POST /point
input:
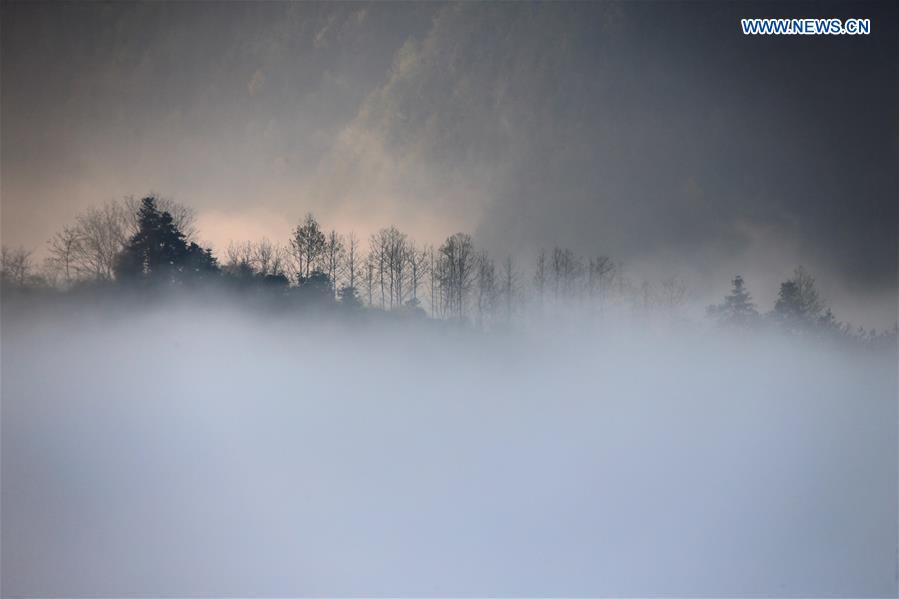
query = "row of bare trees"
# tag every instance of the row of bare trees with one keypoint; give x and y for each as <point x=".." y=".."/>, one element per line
<point x="17" y="267"/>
<point x="391" y="271"/>
<point x="564" y="276"/>
<point x="454" y="280"/>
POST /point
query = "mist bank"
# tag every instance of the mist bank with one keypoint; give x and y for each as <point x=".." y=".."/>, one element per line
<point x="198" y="448"/>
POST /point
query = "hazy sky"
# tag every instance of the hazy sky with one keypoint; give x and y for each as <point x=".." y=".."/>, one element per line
<point x="653" y="132"/>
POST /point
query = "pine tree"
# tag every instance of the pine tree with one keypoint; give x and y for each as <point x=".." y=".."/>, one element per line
<point x="798" y="305"/>
<point x="158" y="251"/>
<point x="349" y="298"/>
<point x="738" y="308"/>
<point x="316" y="288"/>
<point x="199" y="262"/>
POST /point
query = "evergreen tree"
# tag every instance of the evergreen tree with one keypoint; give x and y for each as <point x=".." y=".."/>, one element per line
<point x="349" y="298"/>
<point x="737" y="308"/>
<point x="199" y="263"/>
<point x="788" y="306"/>
<point x="316" y="288"/>
<point x="798" y="304"/>
<point x="158" y="251"/>
<point x="278" y="281"/>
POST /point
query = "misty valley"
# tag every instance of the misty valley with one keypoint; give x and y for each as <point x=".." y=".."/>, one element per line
<point x="271" y="426"/>
<point x="449" y="299"/>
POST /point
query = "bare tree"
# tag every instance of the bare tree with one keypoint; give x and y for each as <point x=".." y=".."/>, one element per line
<point x="307" y="246"/>
<point x="50" y="274"/>
<point x="352" y="260"/>
<point x="239" y="259"/>
<point x="485" y="289"/>
<point x="64" y="251"/>
<point x="643" y="298"/>
<point x="434" y="270"/>
<point x="103" y="232"/>
<point x="600" y="272"/>
<point x="377" y="254"/>
<point x="418" y="269"/>
<point x="457" y="272"/>
<point x="567" y="270"/>
<point x="333" y="258"/>
<point x="508" y="287"/>
<point x="390" y="248"/>
<point x="268" y="259"/>
<point x="540" y="277"/>
<point x="672" y="294"/>
<point x="370" y="280"/>
<point x="262" y="258"/>
<point x="15" y="265"/>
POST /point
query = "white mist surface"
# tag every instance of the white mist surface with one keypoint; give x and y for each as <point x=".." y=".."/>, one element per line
<point x="194" y="452"/>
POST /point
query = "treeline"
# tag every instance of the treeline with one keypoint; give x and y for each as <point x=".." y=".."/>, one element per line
<point x="152" y="243"/>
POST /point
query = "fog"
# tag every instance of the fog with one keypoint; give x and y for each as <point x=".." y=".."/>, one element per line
<point x="575" y="322"/>
<point x="197" y="449"/>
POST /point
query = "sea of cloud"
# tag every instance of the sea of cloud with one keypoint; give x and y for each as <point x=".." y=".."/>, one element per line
<point x="180" y="449"/>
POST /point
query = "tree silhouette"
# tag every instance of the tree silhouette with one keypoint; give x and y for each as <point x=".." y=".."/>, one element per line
<point x="349" y="298"/>
<point x="307" y="246"/>
<point x="456" y="273"/>
<point x="15" y="266"/>
<point x="158" y="251"/>
<point x="316" y="288"/>
<point x="798" y="304"/>
<point x="737" y="308"/>
<point x="334" y="271"/>
<point x="199" y="262"/>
